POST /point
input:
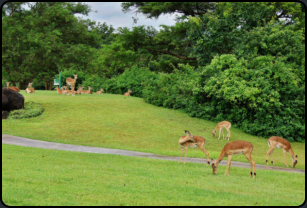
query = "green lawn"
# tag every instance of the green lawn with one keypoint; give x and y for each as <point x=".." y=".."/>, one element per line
<point x="111" y="121"/>
<point x="42" y="177"/>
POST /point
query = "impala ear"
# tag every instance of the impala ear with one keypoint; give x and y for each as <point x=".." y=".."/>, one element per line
<point x="187" y="132"/>
<point x="295" y="156"/>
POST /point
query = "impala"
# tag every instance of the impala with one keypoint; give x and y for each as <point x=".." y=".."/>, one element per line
<point x="127" y="93"/>
<point x="220" y="126"/>
<point x="235" y="148"/>
<point x="99" y="92"/>
<point x="192" y="141"/>
<point x="58" y="90"/>
<point x="79" y="90"/>
<point x="72" y="91"/>
<point x="283" y="144"/>
<point x="12" y="88"/>
<point x="87" y="91"/>
<point x="71" y="81"/>
<point x="30" y="89"/>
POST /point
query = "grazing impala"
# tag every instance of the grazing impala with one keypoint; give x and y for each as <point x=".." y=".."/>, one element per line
<point x="192" y="141"/>
<point x="99" y="92"/>
<point x="127" y="93"/>
<point x="235" y="148"/>
<point x="283" y="144"/>
<point x="220" y="126"/>
<point x="71" y="81"/>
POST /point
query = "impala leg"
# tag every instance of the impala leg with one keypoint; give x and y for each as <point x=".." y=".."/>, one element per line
<point x="223" y="132"/>
<point x="220" y="134"/>
<point x="203" y="149"/>
<point x="285" y="158"/>
<point x="271" y="156"/>
<point x="253" y="165"/>
<point x="185" y="155"/>
<point x="228" y="164"/>
<point x="270" y="151"/>
<point x="228" y="134"/>
<point x="180" y="154"/>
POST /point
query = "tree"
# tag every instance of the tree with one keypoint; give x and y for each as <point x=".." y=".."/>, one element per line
<point x="41" y="41"/>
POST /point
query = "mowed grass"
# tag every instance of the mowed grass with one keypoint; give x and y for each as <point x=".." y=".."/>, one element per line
<point x="42" y="177"/>
<point x="113" y="121"/>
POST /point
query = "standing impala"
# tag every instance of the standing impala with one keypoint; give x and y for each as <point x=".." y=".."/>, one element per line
<point x="235" y="148"/>
<point x="192" y="141"/>
<point x="71" y="81"/>
<point x="220" y="126"/>
<point x="283" y="144"/>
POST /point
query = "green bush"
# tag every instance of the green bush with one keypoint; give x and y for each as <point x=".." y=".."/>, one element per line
<point x="134" y="79"/>
<point x="94" y="81"/>
<point x="263" y="96"/>
<point x="31" y="109"/>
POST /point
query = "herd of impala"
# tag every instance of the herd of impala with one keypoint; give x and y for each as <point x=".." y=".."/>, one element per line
<point x="71" y="82"/>
<point x="234" y="148"/>
<point x="230" y="149"/>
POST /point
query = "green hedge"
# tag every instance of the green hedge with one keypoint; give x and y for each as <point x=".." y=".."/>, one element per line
<point x="31" y="109"/>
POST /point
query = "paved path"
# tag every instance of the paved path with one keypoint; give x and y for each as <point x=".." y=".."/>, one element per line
<point x="7" y="139"/>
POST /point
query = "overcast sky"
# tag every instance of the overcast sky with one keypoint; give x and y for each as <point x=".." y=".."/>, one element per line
<point x="112" y="14"/>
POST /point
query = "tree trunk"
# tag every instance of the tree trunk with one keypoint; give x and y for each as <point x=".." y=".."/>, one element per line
<point x="23" y="85"/>
<point x="48" y="85"/>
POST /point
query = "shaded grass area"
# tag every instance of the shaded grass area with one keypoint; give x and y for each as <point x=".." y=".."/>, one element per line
<point x="111" y="121"/>
<point x="41" y="177"/>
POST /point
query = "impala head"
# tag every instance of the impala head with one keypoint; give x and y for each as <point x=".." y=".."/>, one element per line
<point x="294" y="161"/>
<point x="7" y="84"/>
<point x="102" y="89"/>
<point x="30" y="84"/>
<point x="213" y="133"/>
<point x="75" y="76"/>
<point x="89" y="88"/>
<point x="189" y="134"/>
<point x="215" y="166"/>
<point x="129" y="90"/>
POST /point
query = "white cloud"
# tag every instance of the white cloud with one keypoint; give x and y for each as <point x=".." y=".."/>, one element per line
<point x="112" y="14"/>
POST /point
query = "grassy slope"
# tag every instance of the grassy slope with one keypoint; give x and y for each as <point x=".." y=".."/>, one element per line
<point x="34" y="177"/>
<point x="114" y="122"/>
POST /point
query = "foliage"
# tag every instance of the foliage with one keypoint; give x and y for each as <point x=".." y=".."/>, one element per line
<point x="155" y="9"/>
<point x="31" y="109"/>
<point x="40" y="42"/>
<point x="263" y="96"/>
<point x="133" y="79"/>
<point x="220" y="31"/>
<point x="174" y="90"/>
<point x="94" y="81"/>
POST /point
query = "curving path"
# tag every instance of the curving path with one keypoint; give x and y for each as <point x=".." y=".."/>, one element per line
<point x="14" y="140"/>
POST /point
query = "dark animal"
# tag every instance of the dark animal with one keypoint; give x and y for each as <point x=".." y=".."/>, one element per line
<point x="5" y="102"/>
<point x="15" y="100"/>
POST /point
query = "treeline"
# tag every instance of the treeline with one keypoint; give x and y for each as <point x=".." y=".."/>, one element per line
<point x="238" y="61"/>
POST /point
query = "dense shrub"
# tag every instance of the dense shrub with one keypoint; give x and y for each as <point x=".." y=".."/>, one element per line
<point x="174" y="90"/>
<point x="133" y="79"/>
<point x="31" y="109"/>
<point x="263" y="97"/>
<point x="94" y="81"/>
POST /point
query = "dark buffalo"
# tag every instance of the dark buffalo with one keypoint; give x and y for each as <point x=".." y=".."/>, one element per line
<point x="11" y="100"/>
